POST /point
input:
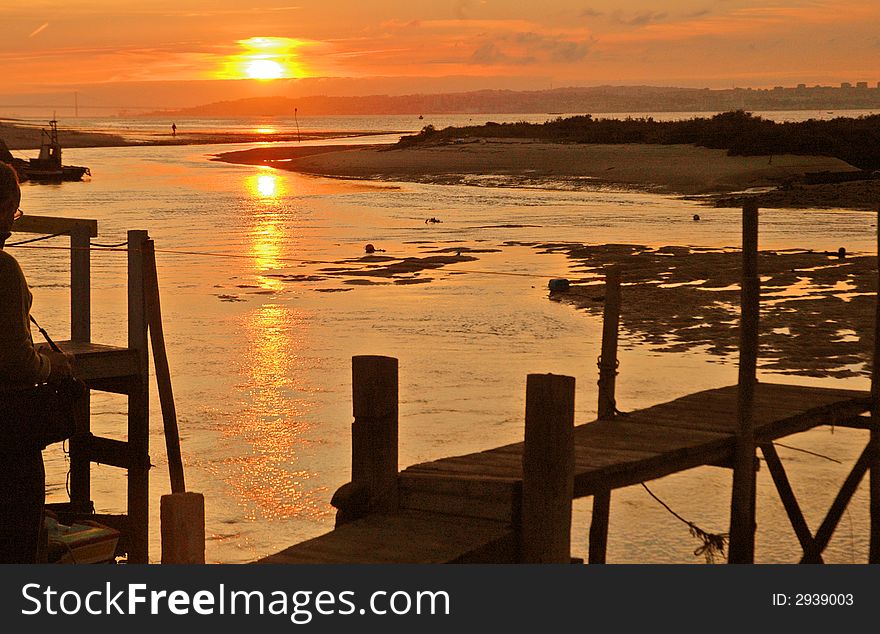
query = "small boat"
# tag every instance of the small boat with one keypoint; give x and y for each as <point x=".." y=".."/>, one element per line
<point x="47" y="167"/>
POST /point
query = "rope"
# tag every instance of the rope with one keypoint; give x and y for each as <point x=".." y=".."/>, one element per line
<point x="603" y="388"/>
<point x="713" y="544"/>
<point x="214" y="254"/>
<point x="37" y="239"/>
<point x="108" y="246"/>
<point x="807" y="451"/>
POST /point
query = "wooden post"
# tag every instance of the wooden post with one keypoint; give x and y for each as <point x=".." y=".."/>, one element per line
<point x="138" y="406"/>
<point x="80" y="332"/>
<point x="183" y="528"/>
<point x="874" y="442"/>
<point x="374" y="430"/>
<point x="163" y="373"/>
<point x="607" y="406"/>
<point x="80" y="284"/>
<point x="742" y="503"/>
<point x="548" y="469"/>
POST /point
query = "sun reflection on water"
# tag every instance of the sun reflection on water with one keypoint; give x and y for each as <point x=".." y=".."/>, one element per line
<point x="267" y="235"/>
<point x="267" y="479"/>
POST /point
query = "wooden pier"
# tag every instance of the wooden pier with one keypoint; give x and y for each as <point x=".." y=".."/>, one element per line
<point x="512" y="504"/>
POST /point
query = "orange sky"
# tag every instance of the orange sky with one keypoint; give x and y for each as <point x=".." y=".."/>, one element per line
<point x="430" y="45"/>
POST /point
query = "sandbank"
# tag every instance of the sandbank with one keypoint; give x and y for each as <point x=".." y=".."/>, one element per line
<point x="676" y="169"/>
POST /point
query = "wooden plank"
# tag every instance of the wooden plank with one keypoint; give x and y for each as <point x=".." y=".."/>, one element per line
<point x="405" y="537"/>
<point x="50" y="225"/>
<point x="108" y="451"/>
<point x="96" y="361"/>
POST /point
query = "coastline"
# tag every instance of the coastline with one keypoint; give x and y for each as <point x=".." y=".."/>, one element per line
<point x="672" y="169"/>
<point x="27" y="137"/>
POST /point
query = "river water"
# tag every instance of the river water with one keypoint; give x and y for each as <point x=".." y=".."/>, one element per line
<point x="260" y="338"/>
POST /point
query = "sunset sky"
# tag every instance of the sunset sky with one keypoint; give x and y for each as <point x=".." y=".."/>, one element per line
<point x="405" y="46"/>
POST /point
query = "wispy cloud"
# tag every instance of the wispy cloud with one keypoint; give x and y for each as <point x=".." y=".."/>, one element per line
<point x="39" y="29"/>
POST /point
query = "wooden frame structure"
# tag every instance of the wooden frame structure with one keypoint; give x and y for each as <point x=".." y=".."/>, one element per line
<point x="121" y="370"/>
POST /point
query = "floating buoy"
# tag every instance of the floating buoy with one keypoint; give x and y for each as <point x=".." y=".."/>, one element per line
<point x="696" y="216"/>
<point x="370" y="248"/>
<point x="558" y="284"/>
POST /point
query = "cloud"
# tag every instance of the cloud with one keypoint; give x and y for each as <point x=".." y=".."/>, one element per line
<point x="641" y="19"/>
<point x="530" y="47"/>
<point x="39" y="29"/>
<point x="589" y="12"/>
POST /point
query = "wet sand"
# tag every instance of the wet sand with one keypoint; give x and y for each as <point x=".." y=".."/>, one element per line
<point x="676" y="169"/>
<point x="817" y="310"/>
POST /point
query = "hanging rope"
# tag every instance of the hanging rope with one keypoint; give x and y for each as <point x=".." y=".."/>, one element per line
<point x="808" y="452"/>
<point x="713" y="544"/>
<point x="37" y="239"/>
<point x="108" y="246"/>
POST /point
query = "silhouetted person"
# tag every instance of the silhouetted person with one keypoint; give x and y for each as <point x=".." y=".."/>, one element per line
<point x="841" y="252"/>
<point x="173" y="129"/>
<point x="22" y="479"/>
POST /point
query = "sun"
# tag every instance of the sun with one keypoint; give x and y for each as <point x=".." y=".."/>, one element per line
<point x="264" y="59"/>
<point x="264" y="69"/>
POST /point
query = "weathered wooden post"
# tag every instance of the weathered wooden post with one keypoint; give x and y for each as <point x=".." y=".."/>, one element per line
<point x="607" y="405"/>
<point x="373" y="485"/>
<point x="874" y="477"/>
<point x="182" y="516"/>
<point x="138" y="406"/>
<point x="742" y="502"/>
<point x="548" y="469"/>
<point x="80" y="283"/>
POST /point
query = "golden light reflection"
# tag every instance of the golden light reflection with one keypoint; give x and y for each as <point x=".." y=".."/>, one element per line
<point x="273" y="424"/>
<point x="265" y="59"/>
<point x="265" y="130"/>
<point x="267" y="234"/>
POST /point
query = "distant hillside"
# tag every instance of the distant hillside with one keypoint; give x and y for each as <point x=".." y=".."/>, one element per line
<point x="560" y="100"/>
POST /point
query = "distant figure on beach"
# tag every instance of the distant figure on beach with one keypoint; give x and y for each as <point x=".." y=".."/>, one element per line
<point x="173" y="129"/>
<point x="432" y="220"/>
<point x="369" y="248"/>
<point x="22" y="478"/>
<point x="841" y="253"/>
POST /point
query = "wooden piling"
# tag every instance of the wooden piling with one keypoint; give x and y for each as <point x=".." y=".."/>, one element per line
<point x="374" y="430"/>
<point x="548" y="469"/>
<point x="742" y="503"/>
<point x="80" y="283"/>
<point x="874" y="441"/>
<point x="182" y="516"/>
<point x="607" y="408"/>
<point x="138" y="406"/>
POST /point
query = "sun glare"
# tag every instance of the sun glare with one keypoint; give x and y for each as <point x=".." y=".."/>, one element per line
<point x="264" y="69"/>
<point x="264" y="59"/>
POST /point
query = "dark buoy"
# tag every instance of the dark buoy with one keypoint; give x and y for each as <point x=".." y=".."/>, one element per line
<point x="558" y="284"/>
<point x="696" y="216"/>
<point x="370" y="248"/>
<point x="841" y="252"/>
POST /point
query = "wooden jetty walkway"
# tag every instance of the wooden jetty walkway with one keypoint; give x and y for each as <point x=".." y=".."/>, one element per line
<point x="512" y="504"/>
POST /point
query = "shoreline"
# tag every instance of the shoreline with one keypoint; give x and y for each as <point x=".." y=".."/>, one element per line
<point x="26" y="137"/>
<point x="671" y="169"/>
